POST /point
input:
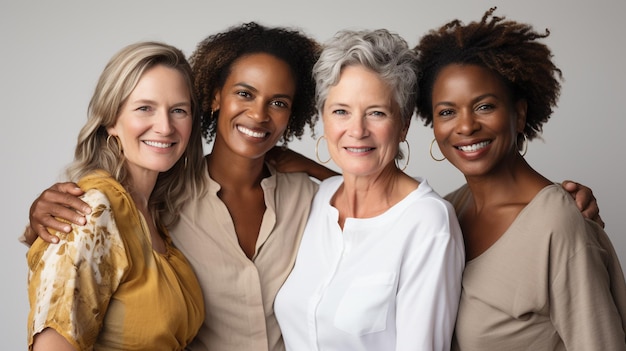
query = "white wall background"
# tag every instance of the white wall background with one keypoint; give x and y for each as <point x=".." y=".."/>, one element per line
<point x="52" y="53"/>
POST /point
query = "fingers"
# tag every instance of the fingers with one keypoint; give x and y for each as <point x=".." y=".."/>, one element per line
<point x="60" y="201"/>
<point x="585" y="200"/>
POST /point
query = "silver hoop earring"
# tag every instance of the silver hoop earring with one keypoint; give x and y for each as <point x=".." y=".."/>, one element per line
<point x="317" y="144"/>
<point x="431" y="152"/>
<point x="408" y="157"/>
<point x="524" y="145"/>
<point x="118" y="144"/>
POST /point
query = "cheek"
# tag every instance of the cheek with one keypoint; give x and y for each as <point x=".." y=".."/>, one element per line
<point x="282" y="120"/>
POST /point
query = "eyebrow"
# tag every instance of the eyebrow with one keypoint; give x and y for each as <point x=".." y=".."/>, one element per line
<point x="250" y="87"/>
<point x="152" y="102"/>
<point x="474" y="100"/>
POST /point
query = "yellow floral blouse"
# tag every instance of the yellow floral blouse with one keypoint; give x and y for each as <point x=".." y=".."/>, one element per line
<point x="102" y="286"/>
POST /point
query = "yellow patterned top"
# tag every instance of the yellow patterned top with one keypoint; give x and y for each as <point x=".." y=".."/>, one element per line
<point x="102" y="286"/>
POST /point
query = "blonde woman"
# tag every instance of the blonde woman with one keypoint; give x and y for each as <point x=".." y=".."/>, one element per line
<point x="118" y="283"/>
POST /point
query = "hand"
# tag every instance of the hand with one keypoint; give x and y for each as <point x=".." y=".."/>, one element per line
<point x="61" y="200"/>
<point x="585" y="201"/>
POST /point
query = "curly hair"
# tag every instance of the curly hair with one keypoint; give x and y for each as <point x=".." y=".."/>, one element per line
<point x="505" y="47"/>
<point x="383" y="52"/>
<point x="214" y="56"/>
<point x="95" y="151"/>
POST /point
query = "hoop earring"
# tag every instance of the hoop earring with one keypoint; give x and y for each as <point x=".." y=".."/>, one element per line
<point x="118" y="144"/>
<point x="317" y="144"/>
<point x="213" y="114"/>
<point x="431" y="152"/>
<point x="185" y="164"/>
<point x="524" y="145"/>
<point x="408" y="157"/>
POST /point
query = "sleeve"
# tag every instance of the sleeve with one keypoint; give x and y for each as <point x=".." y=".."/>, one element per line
<point x="22" y="238"/>
<point x="583" y="307"/>
<point x="430" y="283"/>
<point x="71" y="283"/>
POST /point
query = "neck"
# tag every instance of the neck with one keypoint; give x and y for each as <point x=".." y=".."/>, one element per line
<point x="236" y="172"/>
<point x="363" y="197"/>
<point x="513" y="183"/>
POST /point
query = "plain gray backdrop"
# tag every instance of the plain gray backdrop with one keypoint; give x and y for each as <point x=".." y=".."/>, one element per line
<point x="53" y="53"/>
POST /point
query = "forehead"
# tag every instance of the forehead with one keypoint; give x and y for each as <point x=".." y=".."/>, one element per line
<point x="467" y="78"/>
<point x="262" y="70"/>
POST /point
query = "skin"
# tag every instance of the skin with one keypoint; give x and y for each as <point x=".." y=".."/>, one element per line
<point x="476" y="125"/>
<point x="254" y="108"/>
<point x="153" y="127"/>
<point x="363" y="128"/>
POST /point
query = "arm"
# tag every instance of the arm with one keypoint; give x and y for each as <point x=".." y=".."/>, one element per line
<point x="71" y="283"/>
<point x="289" y="161"/>
<point x="587" y="304"/>
<point x="49" y="339"/>
<point x="61" y="200"/>
<point x="430" y="286"/>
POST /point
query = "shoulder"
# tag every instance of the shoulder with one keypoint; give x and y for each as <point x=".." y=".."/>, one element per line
<point x="296" y="181"/>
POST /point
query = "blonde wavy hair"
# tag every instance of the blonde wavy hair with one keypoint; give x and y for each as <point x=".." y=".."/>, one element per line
<point x="119" y="78"/>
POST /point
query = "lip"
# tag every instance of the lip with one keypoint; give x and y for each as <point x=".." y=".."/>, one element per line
<point x="255" y="133"/>
<point x="159" y="144"/>
<point x="359" y="150"/>
<point x="473" y="146"/>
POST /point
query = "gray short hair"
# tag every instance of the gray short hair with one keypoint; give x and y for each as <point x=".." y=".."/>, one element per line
<point x="383" y="52"/>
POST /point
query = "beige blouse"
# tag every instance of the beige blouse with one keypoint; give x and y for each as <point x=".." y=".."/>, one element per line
<point x="239" y="292"/>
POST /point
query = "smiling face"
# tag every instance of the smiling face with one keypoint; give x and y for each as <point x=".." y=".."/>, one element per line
<point x="362" y="123"/>
<point x="254" y="105"/>
<point x="474" y="120"/>
<point x="154" y="123"/>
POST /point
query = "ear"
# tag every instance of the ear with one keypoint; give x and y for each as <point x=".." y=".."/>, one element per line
<point x="521" y="108"/>
<point x="405" y="129"/>
<point x="112" y="131"/>
<point x="215" y="104"/>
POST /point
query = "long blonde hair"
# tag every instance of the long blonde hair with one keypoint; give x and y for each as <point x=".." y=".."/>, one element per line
<point x="120" y="76"/>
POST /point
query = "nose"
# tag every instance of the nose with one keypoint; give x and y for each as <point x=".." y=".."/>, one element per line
<point x="163" y="123"/>
<point x="258" y="111"/>
<point x="467" y="123"/>
<point x="358" y="127"/>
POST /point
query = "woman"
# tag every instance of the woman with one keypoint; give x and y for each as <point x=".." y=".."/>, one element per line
<point x="240" y="269"/>
<point x="118" y="282"/>
<point x="255" y="88"/>
<point x="538" y="275"/>
<point x="380" y="263"/>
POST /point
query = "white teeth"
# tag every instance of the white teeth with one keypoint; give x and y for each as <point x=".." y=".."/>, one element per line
<point x="250" y="132"/>
<point x="473" y="147"/>
<point x="158" y="144"/>
<point x="360" y="149"/>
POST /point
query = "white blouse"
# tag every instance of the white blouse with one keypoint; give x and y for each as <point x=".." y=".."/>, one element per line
<point x="391" y="282"/>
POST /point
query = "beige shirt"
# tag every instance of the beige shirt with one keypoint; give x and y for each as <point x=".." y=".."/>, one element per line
<point x="239" y="292"/>
<point x="551" y="282"/>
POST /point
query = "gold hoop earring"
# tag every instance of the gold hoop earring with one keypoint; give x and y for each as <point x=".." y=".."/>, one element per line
<point x="431" y="152"/>
<point x="185" y="164"/>
<point x="317" y="144"/>
<point x="524" y="145"/>
<point x="213" y="114"/>
<point x="118" y="144"/>
<point x="408" y="157"/>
